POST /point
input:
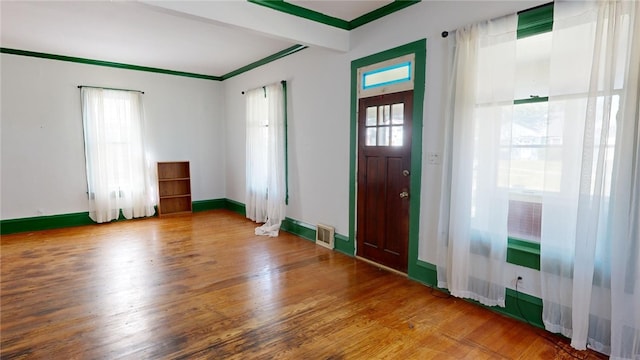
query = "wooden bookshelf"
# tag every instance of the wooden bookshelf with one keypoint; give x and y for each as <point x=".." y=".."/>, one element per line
<point x="174" y="187"/>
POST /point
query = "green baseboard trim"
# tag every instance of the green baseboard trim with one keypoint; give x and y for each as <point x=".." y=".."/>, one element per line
<point x="296" y="227"/>
<point x="204" y="205"/>
<point x="236" y="206"/>
<point x="37" y="223"/>
<point x="423" y="272"/>
<point x="343" y="245"/>
<point x="523" y="307"/>
<point x="518" y="305"/>
<point x="299" y="228"/>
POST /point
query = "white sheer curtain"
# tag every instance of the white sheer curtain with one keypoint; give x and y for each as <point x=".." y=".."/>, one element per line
<point x="590" y="246"/>
<point x="473" y="224"/>
<point x="118" y="174"/>
<point x="265" y="165"/>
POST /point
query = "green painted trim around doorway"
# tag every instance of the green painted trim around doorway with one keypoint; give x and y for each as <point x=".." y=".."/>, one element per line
<point x="419" y="48"/>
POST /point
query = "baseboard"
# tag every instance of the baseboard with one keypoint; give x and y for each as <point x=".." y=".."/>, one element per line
<point x="518" y="305"/>
<point x="12" y="226"/>
<point x="296" y="227"/>
<point x="235" y="206"/>
<point x="343" y="245"/>
<point x="204" y="205"/>
<point x="299" y="228"/>
<point x="523" y="307"/>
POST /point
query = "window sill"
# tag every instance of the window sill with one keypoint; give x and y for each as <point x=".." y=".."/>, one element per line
<point x="523" y="253"/>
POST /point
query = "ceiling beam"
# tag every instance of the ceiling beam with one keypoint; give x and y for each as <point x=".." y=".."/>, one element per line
<point x="260" y="19"/>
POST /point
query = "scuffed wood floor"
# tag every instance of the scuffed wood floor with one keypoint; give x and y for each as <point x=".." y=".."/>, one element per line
<point x="203" y="286"/>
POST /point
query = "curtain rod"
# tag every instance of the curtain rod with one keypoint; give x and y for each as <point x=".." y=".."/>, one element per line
<point x="281" y="82"/>
<point x="105" y="88"/>
<point x="446" y="33"/>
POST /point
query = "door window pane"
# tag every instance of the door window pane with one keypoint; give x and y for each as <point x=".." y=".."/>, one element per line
<point x="383" y="136"/>
<point x="384" y="117"/>
<point x="396" y="135"/>
<point x="397" y="113"/>
<point x="384" y="125"/>
<point x="371" y="116"/>
<point x="371" y="136"/>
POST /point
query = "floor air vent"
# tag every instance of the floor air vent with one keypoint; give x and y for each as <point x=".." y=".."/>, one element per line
<point x="325" y="236"/>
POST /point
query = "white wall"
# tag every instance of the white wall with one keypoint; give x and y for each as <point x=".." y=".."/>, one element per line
<point x="318" y="124"/>
<point x="42" y="159"/>
<point x="319" y="114"/>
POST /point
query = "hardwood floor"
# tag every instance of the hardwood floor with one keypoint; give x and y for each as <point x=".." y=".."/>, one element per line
<point x="203" y="286"/>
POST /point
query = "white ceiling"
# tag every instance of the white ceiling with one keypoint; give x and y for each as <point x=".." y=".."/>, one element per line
<point x="202" y="37"/>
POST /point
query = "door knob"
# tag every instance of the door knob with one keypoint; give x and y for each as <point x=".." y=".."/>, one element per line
<point x="404" y="195"/>
<point x="405" y="172"/>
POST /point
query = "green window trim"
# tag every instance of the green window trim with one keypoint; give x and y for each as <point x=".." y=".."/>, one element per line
<point x="523" y="253"/>
<point x="286" y="144"/>
<point x="534" y="99"/>
<point x="535" y="21"/>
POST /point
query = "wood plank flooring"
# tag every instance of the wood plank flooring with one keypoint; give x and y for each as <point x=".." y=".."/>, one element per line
<point x="203" y="286"/>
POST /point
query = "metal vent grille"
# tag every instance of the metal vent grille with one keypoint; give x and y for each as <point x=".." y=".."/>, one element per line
<point x="325" y="236"/>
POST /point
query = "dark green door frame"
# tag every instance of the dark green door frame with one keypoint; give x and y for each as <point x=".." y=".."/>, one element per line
<point x="419" y="49"/>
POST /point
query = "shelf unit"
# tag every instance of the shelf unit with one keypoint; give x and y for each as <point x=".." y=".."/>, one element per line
<point x="174" y="187"/>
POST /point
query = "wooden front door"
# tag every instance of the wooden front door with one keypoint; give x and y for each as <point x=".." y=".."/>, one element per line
<point x="384" y="164"/>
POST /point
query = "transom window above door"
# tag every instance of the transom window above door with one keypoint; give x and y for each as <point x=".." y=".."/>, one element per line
<point x="384" y="125"/>
<point x="386" y="77"/>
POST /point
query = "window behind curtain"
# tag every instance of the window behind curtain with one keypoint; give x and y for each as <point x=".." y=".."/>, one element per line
<point x="118" y="175"/>
<point x="533" y="141"/>
<point x="266" y="157"/>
